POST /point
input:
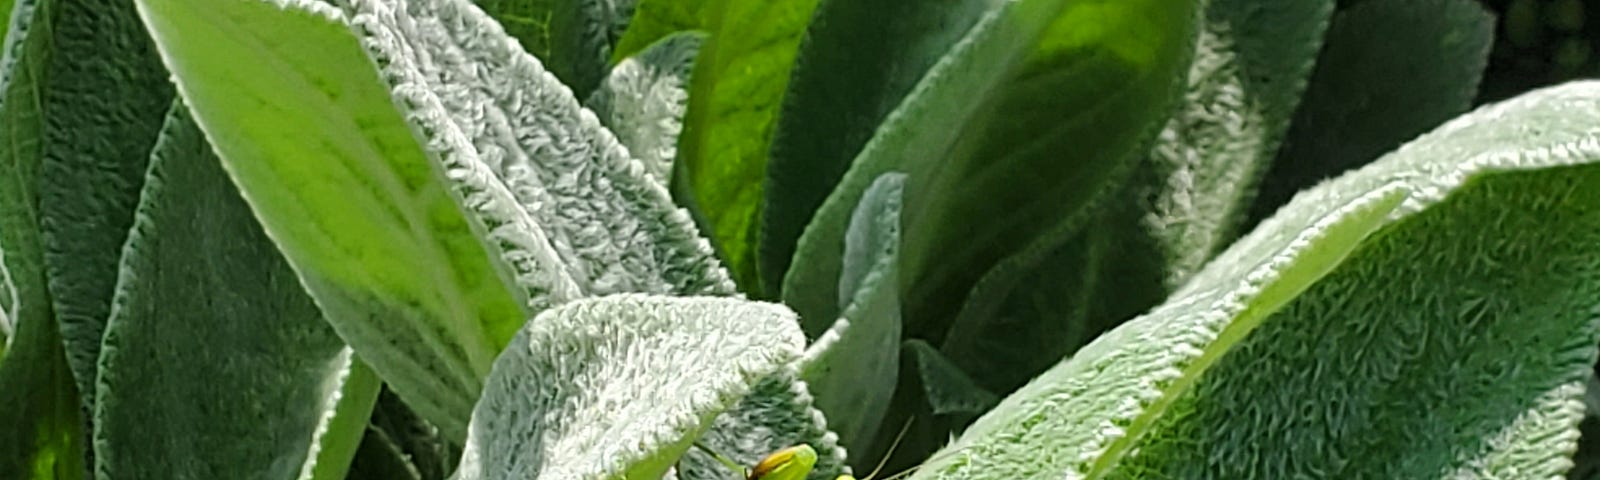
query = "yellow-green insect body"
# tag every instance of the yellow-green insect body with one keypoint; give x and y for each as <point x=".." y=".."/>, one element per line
<point x="792" y="463"/>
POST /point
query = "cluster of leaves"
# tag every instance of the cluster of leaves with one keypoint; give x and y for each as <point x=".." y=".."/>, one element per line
<point x="572" y="238"/>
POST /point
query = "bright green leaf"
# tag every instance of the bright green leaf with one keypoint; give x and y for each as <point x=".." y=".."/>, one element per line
<point x="858" y="61"/>
<point x="644" y="98"/>
<point x="735" y="94"/>
<point x="103" y="103"/>
<point x="1405" y="288"/>
<point x="1392" y="69"/>
<point x="654" y="20"/>
<point x="310" y="135"/>
<point x="565" y="398"/>
<point x="852" y="368"/>
<point x="203" y="294"/>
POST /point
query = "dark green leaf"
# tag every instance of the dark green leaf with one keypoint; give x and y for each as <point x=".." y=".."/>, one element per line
<point x="44" y="435"/>
<point x="1069" y="122"/>
<point x="948" y="389"/>
<point x="572" y="38"/>
<point x="103" y="106"/>
<point x="207" y="313"/>
<point x="1391" y="70"/>
<point x="858" y="61"/>
<point x="1181" y="207"/>
<point x="1003" y="130"/>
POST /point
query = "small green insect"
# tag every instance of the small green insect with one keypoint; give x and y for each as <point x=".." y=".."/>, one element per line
<point x="796" y="462"/>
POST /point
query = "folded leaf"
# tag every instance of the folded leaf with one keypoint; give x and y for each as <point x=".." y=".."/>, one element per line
<point x="572" y="37"/>
<point x="1059" y="135"/>
<point x="644" y="99"/>
<point x="1404" y="288"/>
<point x="103" y="104"/>
<point x="44" y="434"/>
<point x="309" y="133"/>
<point x="621" y="385"/>
<point x="981" y="100"/>
<point x="857" y="62"/>
<point x="852" y="368"/>
<point x="1391" y="71"/>
<point x="1182" y="205"/>
<point x="208" y="314"/>
<point x="736" y="92"/>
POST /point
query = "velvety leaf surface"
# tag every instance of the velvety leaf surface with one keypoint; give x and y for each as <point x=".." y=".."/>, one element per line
<point x="621" y="385"/>
<point x="856" y="63"/>
<point x="216" y="363"/>
<point x="310" y="135"/>
<point x="852" y="367"/>
<point x="1182" y="206"/>
<point x="103" y="105"/>
<point x="44" y="434"/>
<point x="1391" y="71"/>
<point x="1405" y="288"/>
<point x="503" y="126"/>
<point x="573" y="38"/>
<point x="1008" y="162"/>
<point x="734" y="99"/>
<point x="644" y="98"/>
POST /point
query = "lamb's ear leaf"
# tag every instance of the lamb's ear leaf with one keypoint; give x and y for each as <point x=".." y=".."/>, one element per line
<point x="1343" y="327"/>
<point x="373" y="230"/>
<point x="572" y="213"/>
<point x="44" y="435"/>
<point x="203" y="294"/>
<point x="1111" y="87"/>
<point x="644" y="98"/>
<point x="1181" y="207"/>
<point x="857" y="62"/>
<point x="734" y="100"/>
<point x="563" y="396"/>
<point x="573" y="38"/>
<point x="103" y="102"/>
<point x="853" y="367"/>
<point x="1391" y="70"/>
